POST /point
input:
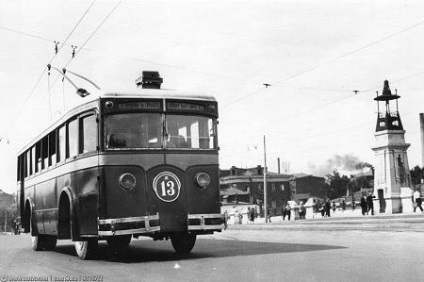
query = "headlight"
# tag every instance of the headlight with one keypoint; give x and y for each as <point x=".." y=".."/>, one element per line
<point x="127" y="181"/>
<point x="203" y="179"/>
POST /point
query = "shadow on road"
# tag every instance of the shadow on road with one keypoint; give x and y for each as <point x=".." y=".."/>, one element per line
<point x="148" y="251"/>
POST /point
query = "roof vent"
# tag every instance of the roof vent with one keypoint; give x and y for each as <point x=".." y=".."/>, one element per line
<point x="149" y="80"/>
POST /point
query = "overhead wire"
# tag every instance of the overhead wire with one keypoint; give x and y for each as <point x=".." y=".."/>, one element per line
<point x="27" y="98"/>
<point x="132" y="58"/>
<point x="337" y="58"/>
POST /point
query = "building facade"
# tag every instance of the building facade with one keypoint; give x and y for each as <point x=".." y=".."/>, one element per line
<point x="247" y="186"/>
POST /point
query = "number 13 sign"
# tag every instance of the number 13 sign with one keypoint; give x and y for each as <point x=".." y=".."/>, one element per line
<point x="167" y="186"/>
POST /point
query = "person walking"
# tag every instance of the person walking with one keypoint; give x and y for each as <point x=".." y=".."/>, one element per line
<point x="364" y="206"/>
<point x="417" y="200"/>
<point x="370" y="203"/>
<point x="287" y="212"/>
<point x="225" y="220"/>
<point x="327" y="208"/>
<point x="302" y="211"/>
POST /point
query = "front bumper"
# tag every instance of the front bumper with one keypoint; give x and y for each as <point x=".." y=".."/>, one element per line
<point x="205" y="222"/>
<point x="151" y="224"/>
<point x="129" y="225"/>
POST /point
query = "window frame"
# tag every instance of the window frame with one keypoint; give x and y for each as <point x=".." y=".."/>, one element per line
<point x="81" y="118"/>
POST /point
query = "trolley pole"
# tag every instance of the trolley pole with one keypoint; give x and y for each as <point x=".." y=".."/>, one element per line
<point x="265" y="192"/>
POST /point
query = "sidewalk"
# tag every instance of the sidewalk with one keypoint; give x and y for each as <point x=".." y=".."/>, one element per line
<point x="382" y="220"/>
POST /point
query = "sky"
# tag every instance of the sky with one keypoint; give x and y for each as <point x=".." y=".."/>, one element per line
<point x="313" y="53"/>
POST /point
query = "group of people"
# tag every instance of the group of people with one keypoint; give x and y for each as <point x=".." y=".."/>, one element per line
<point x="324" y="208"/>
<point x="367" y="204"/>
<point x="286" y="211"/>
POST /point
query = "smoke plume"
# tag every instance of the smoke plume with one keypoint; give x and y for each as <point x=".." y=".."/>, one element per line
<point x="347" y="163"/>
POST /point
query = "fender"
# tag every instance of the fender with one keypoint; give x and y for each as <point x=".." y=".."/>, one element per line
<point x="72" y="219"/>
<point x="31" y="227"/>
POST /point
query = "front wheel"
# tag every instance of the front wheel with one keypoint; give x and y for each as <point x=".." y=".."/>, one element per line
<point x="41" y="242"/>
<point x="118" y="243"/>
<point x="87" y="249"/>
<point x="183" y="243"/>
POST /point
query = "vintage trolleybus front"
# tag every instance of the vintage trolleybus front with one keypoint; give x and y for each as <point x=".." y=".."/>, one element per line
<point x="159" y="164"/>
<point x="155" y="174"/>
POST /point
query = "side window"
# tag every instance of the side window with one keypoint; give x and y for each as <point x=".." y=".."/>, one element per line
<point x="88" y="134"/>
<point x="33" y="163"/>
<point x="62" y="143"/>
<point x="52" y="148"/>
<point x="37" y="157"/>
<point x="28" y="163"/>
<point x="45" y="152"/>
<point x="73" y="138"/>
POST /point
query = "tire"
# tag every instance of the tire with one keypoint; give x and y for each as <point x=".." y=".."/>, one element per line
<point x="87" y="249"/>
<point x="36" y="241"/>
<point x="183" y="243"/>
<point x="41" y="242"/>
<point x="49" y="242"/>
<point x="119" y="242"/>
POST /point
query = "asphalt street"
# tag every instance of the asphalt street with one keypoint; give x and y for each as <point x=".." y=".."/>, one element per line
<point x="358" y="249"/>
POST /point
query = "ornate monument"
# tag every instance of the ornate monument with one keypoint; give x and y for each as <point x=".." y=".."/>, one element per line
<point x="392" y="180"/>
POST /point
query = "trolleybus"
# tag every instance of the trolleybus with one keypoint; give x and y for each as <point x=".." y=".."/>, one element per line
<point x="124" y="165"/>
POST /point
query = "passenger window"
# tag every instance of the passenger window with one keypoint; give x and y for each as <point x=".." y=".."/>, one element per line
<point x="62" y="143"/>
<point x="45" y="152"/>
<point x="28" y="164"/>
<point x="33" y="160"/>
<point x="38" y="157"/>
<point x="52" y="148"/>
<point x="88" y="134"/>
<point x="73" y="138"/>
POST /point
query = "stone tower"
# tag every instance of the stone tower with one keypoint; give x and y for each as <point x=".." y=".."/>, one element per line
<point x="392" y="179"/>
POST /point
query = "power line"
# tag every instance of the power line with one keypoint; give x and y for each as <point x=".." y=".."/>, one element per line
<point x="89" y="38"/>
<point x="138" y="59"/>
<point x="51" y="60"/>
<point x="339" y="57"/>
<point x="27" y="98"/>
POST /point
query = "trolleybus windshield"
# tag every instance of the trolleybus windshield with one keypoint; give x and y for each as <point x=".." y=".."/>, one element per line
<point x="144" y="130"/>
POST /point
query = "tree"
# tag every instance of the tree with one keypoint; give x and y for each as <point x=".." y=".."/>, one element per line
<point x="416" y="175"/>
<point x="336" y="185"/>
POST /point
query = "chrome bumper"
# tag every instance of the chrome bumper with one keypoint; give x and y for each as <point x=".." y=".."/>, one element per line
<point x="205" y="222"/>
<point x="128" y="225"/>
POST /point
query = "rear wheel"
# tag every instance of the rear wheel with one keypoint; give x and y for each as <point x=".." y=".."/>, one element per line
<point x="118" y="243"/>
<point x="87" y="249"/>
<point x="41" y="242"/>
<point x="183" y="243"/>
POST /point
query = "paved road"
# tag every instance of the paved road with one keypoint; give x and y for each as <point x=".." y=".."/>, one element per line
<point x="307" y="251"/>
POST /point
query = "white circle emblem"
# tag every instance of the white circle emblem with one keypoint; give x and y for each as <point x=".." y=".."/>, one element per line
<point x="167" y="186"/>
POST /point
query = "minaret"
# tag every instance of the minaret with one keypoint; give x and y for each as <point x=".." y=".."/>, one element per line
<point x="392" y="178"/>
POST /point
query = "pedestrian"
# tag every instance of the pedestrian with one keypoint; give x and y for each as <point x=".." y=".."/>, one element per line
<point x="252" y="215"/>
<point x="302" y="211"/>
<point x="364" y="206"/>
<point x="287" y="212"/>
<point x="328" y="208"/>
<point x="370" y="203"/>
<point x="334" y="206"/>
<point x="225" y="220"/>
<point x="236" y="217"/>
<point x="269" y="215"/>
<point x="322" y="209"/>
<point x="343" y="205"/>
<point x="353" y="204"/>
<point x="417" y="200"/>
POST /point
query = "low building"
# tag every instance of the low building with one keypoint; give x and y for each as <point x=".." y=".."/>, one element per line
<point x="246" y="186"/>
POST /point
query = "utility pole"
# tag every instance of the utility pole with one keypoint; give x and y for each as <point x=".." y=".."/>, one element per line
<point x="265" y="192"/>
